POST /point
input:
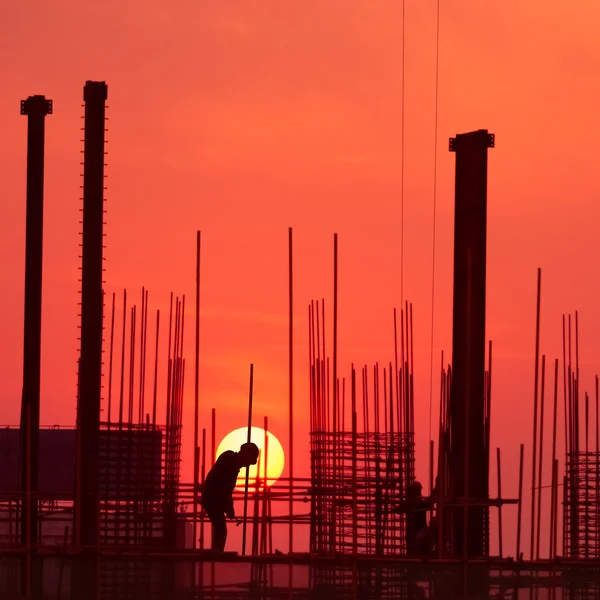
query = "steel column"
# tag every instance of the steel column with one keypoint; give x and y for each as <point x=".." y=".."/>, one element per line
<point x="469" y="468"/>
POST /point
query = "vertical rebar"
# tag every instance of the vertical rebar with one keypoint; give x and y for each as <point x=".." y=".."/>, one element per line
<point x="202" y="475"/>
<point x="335" y="383"/>
<point x="110" y="359"/>
<point x="597" y="476"/>
<point x="155" y="395"/>
<point x="520" y="503"/>
<point x="196" y="386"/>
<point x="247" y="468"/>
<point x="145" y="353"/>
<point x="499" y="501"/>
<point x="132" y="363"/>
<point x="566" y="423"/>
<point x="396" y="370"/>
<point x="354" y="484"/>
<point x="535" y="411"/>
<point x="554" y="509"/>
<point x="141" y="381"/>
<point x="539" y="506"/>
<point x="291" y="401"/>
<point x="412" y="369"/>
<point x="213" y="436"/>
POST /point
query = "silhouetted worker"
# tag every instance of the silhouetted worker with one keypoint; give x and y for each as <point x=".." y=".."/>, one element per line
<point x="217" y="490"/>
<point x="415" y="507"/>
<point x="435" y="492"/>
<point x="427" y="539"/>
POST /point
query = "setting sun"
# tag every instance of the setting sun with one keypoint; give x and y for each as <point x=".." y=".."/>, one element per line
<point x="268" y="446"/>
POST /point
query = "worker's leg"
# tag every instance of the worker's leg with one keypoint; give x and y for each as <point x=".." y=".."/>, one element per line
<point x="434" y="532"/>
<point x="425" y="541"/>
<point x="411" y="541"/>
<point x="219" y="531"/>
<point x="411" y="546"/>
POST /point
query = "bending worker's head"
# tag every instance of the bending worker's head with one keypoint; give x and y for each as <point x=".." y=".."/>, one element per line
<point x="248" y="454"/>
<point x="414" y="489"/>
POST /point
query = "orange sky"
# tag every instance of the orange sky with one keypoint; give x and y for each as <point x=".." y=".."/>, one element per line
<point x="242" y="118"/>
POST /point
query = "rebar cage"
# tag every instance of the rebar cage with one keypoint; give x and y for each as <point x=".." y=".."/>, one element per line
<point x="358" y="480"/>
<point x="582" y="505"/>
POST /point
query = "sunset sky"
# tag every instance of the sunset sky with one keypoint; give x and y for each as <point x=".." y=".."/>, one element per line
<point x="243" y="118"/>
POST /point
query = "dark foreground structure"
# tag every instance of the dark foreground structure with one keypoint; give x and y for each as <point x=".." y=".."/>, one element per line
<point x="114" y="521"/>
<point x="186" y="576"/>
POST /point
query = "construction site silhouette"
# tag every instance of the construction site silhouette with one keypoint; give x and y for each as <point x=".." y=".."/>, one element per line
<point x="101" y="511"/>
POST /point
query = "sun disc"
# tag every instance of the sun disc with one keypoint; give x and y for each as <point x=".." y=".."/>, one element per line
<point x="269" y="448"/>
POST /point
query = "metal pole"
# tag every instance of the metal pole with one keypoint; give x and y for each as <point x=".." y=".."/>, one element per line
<point x="196" y="387"/>
<point x="291" y="408"/>
<point x="535" y="411"/>
<point x="35" y="108"/>
<point x="247" y="468"/>
<point x="520" y="504"/>
<point x="95" y="94"/>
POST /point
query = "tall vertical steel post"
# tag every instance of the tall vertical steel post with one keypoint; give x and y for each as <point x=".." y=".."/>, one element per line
<point x="469" y="468"/>
<point x="36" y="108"/>
<point x="92" y="303"/>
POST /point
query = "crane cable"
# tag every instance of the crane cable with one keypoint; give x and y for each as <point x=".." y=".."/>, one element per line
<point x="437" y="69"/>
<point x="402" y="172"/>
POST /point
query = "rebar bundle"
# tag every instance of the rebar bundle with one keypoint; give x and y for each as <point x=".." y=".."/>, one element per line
<point x="359" y="477"/>
<point x="582" y="505"/>
<point x="131" y="477"/>
<point x="372" y="472"/>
